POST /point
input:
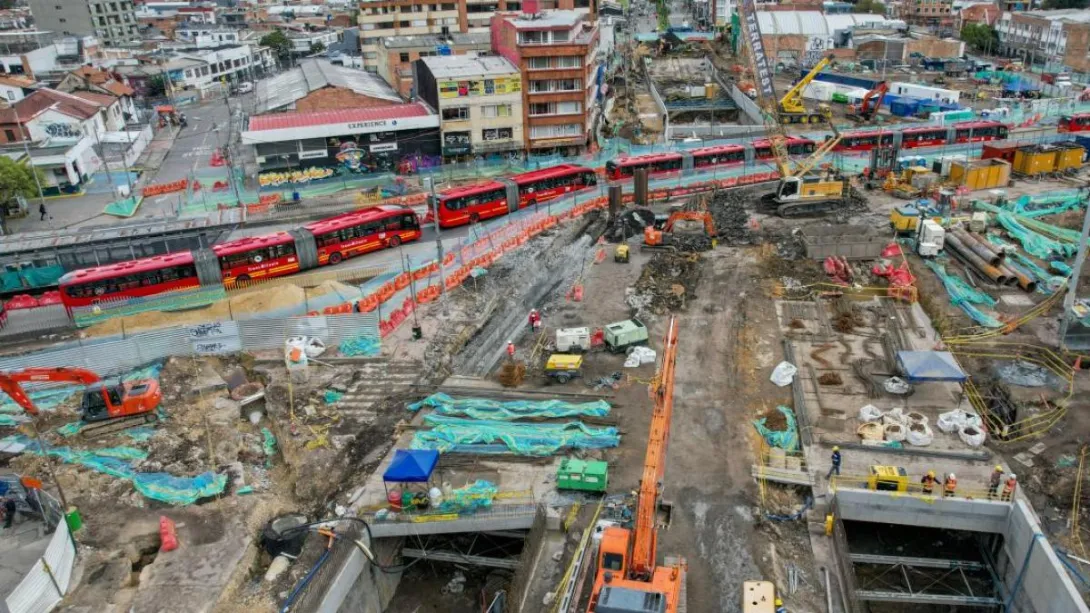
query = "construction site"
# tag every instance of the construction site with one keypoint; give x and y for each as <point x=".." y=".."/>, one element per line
<point x="842" y="382"/>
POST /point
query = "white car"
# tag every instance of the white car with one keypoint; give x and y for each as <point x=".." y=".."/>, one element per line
<point x="245" y="87"/>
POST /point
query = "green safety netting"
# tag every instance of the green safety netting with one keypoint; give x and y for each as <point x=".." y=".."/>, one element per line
<point x="268" y="445"/>
<point x="1033" y="242"/>
<point x="126" y="207"/>
<point x="360" y="345"/>
<point x="469" y="499"/>
<point x="115" y="461"/>
<point x="1051" y="203"/>
<point x="332" y="396"/>
<point x="484" y="408"/>
<point x="140" y="433"/>
<point x="455" y="434"/>
<point x="30" y="278"/>
<point x="965" y="297"/>
<point x="787" y="439"/>
<point x="1047" y="282"/>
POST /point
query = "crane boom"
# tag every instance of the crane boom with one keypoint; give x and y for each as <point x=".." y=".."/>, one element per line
<point x="661" y="391"/>
<point x="754" y="47"/>
<point x="792" y="101"/>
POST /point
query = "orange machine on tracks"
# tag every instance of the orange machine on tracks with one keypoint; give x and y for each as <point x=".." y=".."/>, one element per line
<point x="120" y="404"/>
<point x="628" y="579"/>
<point x="683" y="231"/>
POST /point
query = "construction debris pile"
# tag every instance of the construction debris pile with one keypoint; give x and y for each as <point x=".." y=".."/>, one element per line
<point x="628" y="224"/>
<point x="666" y="283"/>
<point x="728" y="209"/>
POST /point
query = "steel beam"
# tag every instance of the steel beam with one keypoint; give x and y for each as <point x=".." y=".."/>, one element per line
<point x="940" y="599"/>
<point x="451" y="556"/>
<point x="862" y="558"/>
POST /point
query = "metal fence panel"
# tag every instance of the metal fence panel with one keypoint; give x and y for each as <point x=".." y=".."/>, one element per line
<point x="42" y="589"/>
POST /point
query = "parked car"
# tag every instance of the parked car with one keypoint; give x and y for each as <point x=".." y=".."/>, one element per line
<point x="245" y="87"/>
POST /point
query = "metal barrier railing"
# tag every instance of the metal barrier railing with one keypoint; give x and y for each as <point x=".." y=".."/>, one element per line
<point x="913" y="488"/>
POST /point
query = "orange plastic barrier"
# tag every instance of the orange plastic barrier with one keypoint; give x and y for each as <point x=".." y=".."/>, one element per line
<point x="165" y="188"/>
<point x="385" y="292"/>
<point x="368" y="303"/>
<point x="427" y="294"/>
<point x="313" y="313"/>
<point x="168" y="534"/>
<point x="448" y="259"/>
<point x="402" y="281"/>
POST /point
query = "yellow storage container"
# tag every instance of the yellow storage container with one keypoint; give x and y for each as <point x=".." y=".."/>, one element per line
<point x="1035" y="160"/>
<point x="981" y="174"/>
<point x="1069" y="155"/>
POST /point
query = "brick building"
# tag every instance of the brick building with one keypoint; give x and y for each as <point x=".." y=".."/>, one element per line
<point x="803" y="38"/>
<point x="379" y="19"/>
<point x="928" y="13"/>
<point x="979" y="14"/>
<point x="556" y="52"/>
<point x="1039" y="37"/>
<point x="397" y="54"/>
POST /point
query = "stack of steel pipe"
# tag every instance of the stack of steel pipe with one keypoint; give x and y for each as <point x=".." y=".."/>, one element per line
<point x="1015" y="276"/>
<point x="978" y="247"/>
<point x="970" y="257"/>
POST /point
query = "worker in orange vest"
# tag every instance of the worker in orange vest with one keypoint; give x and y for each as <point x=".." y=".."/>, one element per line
<point x="511" y="349"/>
<point x="1008" y="488"/>
<point x="949" y="485"/>
<point x="928" y="482"/>
<point x="535" y="319"/>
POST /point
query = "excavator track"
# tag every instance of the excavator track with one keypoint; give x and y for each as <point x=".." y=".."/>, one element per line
<point x="97" y="429"/>
<point x="806" y="209"/>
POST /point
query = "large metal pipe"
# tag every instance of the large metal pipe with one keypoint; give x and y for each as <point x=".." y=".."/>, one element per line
<point x="1025" y="281"/>
<point x="968" y="238"/>
<point x="1012" y="279"/>
<point x="974" y="260"/>
<point x="973" y="245"/>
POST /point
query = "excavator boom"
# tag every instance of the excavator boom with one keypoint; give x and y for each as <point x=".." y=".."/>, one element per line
<point x="10" y="382"/>
<point x="137" y="400"/>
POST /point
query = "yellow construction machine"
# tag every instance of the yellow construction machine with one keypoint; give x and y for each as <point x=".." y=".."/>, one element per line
<point x="792" y="109"/>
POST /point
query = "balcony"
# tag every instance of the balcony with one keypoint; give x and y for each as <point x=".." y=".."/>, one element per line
<point x="496" y="145"/>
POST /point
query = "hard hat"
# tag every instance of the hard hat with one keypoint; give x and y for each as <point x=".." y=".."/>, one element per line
<point x="836" y="448"/>
<point x="533" y="310"/>
<point x="1013" y="476"/>
<point x="510" y="342"/>
<point x="998" y="468"/>
<point x="931" y="473"/>
<point x="779" y="602"/>
<point x="953" y="476"/>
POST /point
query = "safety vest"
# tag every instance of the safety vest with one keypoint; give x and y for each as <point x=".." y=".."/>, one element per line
<point x="928" y="483"/>
<point x="951" y="484"/>
<point x="1009" y="487"/>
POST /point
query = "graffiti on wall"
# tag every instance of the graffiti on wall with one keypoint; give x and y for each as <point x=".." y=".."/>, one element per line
<point x="63" y="130"/>
<point x="817" y="47"/>
<point x="351" y="157"/>
<point x="294" y="177"/>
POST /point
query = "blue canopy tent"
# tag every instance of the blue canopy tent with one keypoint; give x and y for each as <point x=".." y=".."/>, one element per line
<point x="923" y="366"/>
<point x="411" y="466"/>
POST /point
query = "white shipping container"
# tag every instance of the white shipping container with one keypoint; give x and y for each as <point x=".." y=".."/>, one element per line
<point x="925" y="92"/>
<point x="818" y="90"/>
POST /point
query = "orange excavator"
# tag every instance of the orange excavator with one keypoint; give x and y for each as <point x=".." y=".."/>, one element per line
<point x="628" y="579"/>
<point x="120" y="403"/>
<point x="684" y="230"/>
<point x="868" y="108"/>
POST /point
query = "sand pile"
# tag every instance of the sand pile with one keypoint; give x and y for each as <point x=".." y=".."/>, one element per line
<point x="343" y="290"/>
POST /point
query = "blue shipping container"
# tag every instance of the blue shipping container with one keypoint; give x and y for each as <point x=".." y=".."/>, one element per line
<point x="904" y="108"/>
<point x="843" y="79"/>
<point x="1085" y="142"/>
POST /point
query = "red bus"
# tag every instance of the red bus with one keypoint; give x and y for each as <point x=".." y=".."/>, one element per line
<point x="796" y="145"/>
<point x="655" y="163"/>
<point x="145" y="277"/>
<point x="351" y="234"/>
<point x="473" y="203"/>
<point x="705" y="157"/>
<point x="926" y="136"/>
<point x="980" y="131"/>
<point x="1079" y="122"/>
<point x="865" y="141"/>
<point x="257" y="257"/>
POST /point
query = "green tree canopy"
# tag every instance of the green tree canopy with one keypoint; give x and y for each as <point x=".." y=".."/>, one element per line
<point x="873" y="7"/>
<point x="317" y="47"/>
<point x="17" y="179"/>
<point x="980" y="36"/>
<point x="157" y="86"/>
<point x="1066" y="4"/>
<point x="278" y="42"/>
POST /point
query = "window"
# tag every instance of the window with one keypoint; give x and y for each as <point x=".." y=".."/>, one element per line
<point x="497" y="134"/>
<point x="560" y="36"/>
<point x="404" y="57"/>
<point x="489" y="86"/>
<point x="567" y="61"/>
<point x="496" y="110"/>
<point x="10" y="134"/>
<point x="566" y="130"/>
<point x="449" y="7"/>
<point x="533" y="37"/>
<point x="456" y="114"/>
<point x="538" y="63"/>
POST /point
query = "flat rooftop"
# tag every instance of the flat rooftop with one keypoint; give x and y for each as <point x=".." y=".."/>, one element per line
<point x="455" y="66"/>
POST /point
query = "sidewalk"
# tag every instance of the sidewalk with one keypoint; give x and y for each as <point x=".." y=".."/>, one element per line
<point x="152" y="158"/>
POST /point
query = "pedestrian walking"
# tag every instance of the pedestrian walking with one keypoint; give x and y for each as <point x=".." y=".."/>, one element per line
<point x="41" y="209"/>
<point x="9" y="511"/>
<point x="836" y="463"/>
<point x="949" y="485"/>
<point x="779" y="606"/>
<point x="996" y="479"/>
<point x="1008" y="488"/>
<point x="511" y="350"/>
<point x="928" y="482"/>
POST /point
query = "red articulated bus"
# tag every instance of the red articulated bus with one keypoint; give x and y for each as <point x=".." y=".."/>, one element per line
<point x="473" y="203"/>
<point x="655" y="163"/>
<point x="138" y="278"/>
<point x="329" y="241"/>
<point x="257" y="257"/>
<point x="360" y="232"/>
<point x="924" y="136"/>
<point x="703" y="157"/>
<point x="1079" y="122"/>
<point x="796" y="145"/>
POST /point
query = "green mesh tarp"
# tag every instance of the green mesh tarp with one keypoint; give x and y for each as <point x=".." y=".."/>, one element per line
<point x="116" y="462"/>
<point x="360" y="346"/>
<point x="963" y="296"/>
<point x="469" y="499"/>
<point x="30" y="278"/>
<point x="484" y="408"/>
<point x="787" y="439"/>
<point x="126" y="207"/>
<point x="458" y="435"/>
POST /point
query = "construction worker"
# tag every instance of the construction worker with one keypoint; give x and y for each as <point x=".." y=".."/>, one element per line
<point x="1008" y="488"/>
<point x="928" y="482"/>
<point x="779" y="606"/>
<point x="993" y="484"/>
<point x="535" y="319"/>
<point x="949" y="485"/>
<point x="511" y="349"/>
<point x="836" y="463"/>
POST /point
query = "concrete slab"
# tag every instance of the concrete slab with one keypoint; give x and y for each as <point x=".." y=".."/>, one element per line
<point x="191" y="578"/>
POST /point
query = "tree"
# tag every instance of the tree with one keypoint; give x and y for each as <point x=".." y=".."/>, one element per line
<point x="278" y="42"/>
<point x="980" y="36"/>
<point x="317" y="47"/>
<point x="157" y="86"/>
<point x="17" y="179"/>
<point x="1066" y="4"/>
<point x="873" y="7"/>
<point x="6" y="5"/>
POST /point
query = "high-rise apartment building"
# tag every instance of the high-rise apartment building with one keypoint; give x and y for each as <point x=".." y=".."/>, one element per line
<point x="110" y="21"/>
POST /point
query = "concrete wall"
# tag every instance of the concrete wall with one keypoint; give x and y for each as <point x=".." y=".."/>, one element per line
<point x="359" y="587"/>
<point x="948" y="513"/>
<point x="1045" y="586"/>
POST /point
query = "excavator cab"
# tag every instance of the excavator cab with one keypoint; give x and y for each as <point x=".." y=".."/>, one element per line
<point x="109" y="399"/>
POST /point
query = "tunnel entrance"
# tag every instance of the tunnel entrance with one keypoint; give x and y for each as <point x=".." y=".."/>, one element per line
<point x="903" y="569"/>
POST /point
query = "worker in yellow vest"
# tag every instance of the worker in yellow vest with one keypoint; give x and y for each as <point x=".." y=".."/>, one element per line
<point x="1008" y="487"/>
<point x="993" y="485"/>
<point x="928" y="482"/>
<point x="949" y="485"/>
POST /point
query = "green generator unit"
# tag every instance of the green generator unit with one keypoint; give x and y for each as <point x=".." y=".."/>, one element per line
<point x="592" y="476"/>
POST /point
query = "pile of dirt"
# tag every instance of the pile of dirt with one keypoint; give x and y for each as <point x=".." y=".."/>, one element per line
<point x="279" y="297"/>
<point x="728" y="209"/>
<point x="512" y="374"/>
<point x="628" y="224"/>
<point x="775" y="420"/>
<point x="830" y="378"/>
<point x="343" y="290"/>
<point x="666" y="283"/>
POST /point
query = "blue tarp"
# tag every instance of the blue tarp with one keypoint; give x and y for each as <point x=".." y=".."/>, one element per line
<point x="411" y="466"/>
<point x="920" y="366"/>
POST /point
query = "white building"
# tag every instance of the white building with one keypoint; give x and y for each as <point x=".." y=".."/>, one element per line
<point x="303" y="42"/>
<point x="206" y="70"/>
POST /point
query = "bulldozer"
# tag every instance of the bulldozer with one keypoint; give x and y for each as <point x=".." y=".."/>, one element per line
<point x="900" y="184"/>
<point x="688" y="229"/>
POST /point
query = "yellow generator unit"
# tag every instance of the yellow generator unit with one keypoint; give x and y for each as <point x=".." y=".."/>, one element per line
<point x="1035" y="160"/>
<point x="1069" y="156"/>
<point x="903" y="219"/>
<point x="887" y="479"/>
